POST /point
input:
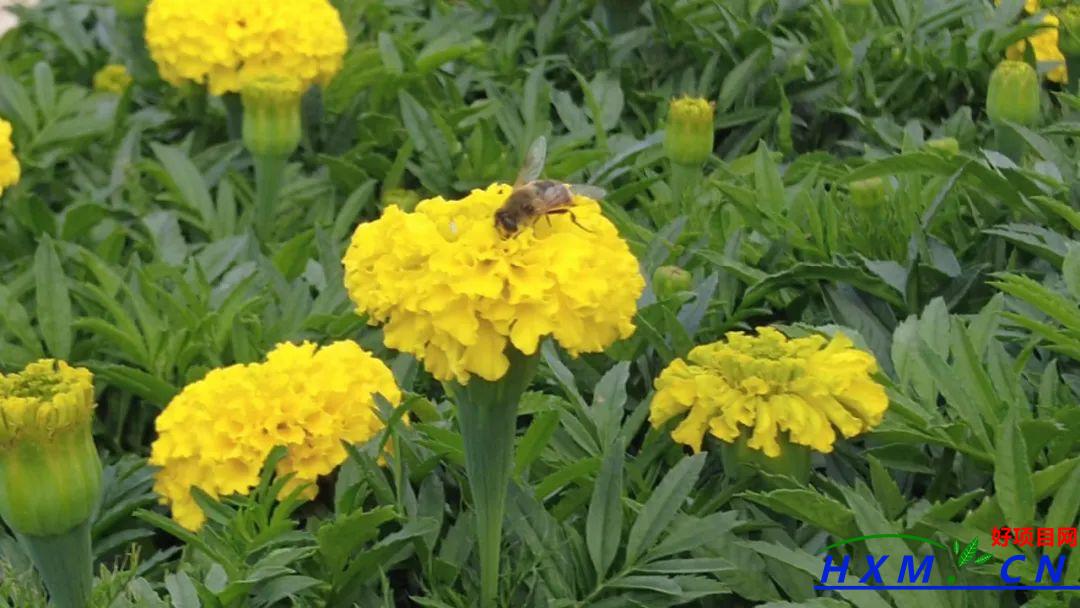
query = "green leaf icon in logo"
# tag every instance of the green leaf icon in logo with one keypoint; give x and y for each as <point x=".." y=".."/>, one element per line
<point x="982" y="559"/>
<point x="969" y="553"/>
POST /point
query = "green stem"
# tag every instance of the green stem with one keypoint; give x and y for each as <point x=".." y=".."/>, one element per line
<point x="268" y="173"/>
<point x="684" y="183"/>
<point x="1072" y="64"/>
<point x="487" y="415"/>
<point x="65" y="562"/>
<point x="234" y="115"/>
<point x="1009" y="143"/>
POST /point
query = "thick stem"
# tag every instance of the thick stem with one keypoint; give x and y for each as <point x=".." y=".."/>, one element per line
<point x="1009" y="142"/>
<point x="684" y="183"/>
<point x="234" y="114"/>
<point x="65" y="562"/>
<point x="1072" y="64"/>
<point x="268" y="173"/>
<point x="487" y="415"/>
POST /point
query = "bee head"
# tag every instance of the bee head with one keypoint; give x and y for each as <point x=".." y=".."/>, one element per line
<point x="505" y="223"/>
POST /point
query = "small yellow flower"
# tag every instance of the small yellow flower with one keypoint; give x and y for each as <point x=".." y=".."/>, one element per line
<point x="1045" y="45"/>
<point x="9" y="165"/>
<point x="113" y="78"/>
<point x="225" y="44"/>
<point x="768" y="384"/>
<point x="217" y="433"/>
<point x="454" y="293"/>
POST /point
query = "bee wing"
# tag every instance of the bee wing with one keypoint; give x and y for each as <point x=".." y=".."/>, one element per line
<point x="534" y="162"/>
<point x="589" y="191"/>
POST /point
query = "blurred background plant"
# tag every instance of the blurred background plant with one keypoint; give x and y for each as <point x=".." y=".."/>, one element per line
<point x="856" y="184"/>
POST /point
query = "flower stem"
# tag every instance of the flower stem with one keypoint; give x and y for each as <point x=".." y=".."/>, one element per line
<point x="234" y="114"/>
<point x="1009" y="142"/>
<point x="487" y="415"/>
<point x="268" y="173"/>
<point x="684" y="181"/>
<point x="65" y="563"/>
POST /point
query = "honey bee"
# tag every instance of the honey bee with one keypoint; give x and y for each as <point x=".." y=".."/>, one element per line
<point x="534" y="198"/>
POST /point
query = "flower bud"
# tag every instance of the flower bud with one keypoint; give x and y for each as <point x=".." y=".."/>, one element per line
<point x="113" y="78"/>
<point x="50" y="473"/>
<point x="405" y="200"/>
<point x="1069" y="30"/>
<point x="947" y="146"/>
<point x="869" y="193"/>
<point x="669" y="281"/>
<point x="688" y="138"/>
<point x="130" y="9"/>
<point x="1013" y="95"/>
<point x="272" y="116"/>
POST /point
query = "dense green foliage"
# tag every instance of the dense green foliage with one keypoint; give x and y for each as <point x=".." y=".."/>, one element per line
<point x="128" y="248"/>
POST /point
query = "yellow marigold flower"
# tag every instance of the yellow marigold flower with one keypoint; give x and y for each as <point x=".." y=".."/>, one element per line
<point x="1045" y="45"/>
<point x="227" y="43"/>
<point x="9" y="165"/>
<point x="113" y="78"/>
<point x="452" y="292"/>
<point x="44" y="399"/>
<point x="217" y="433"/>
<point x="769" y="383"/>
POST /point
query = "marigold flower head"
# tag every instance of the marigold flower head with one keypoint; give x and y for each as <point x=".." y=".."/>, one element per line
<point x="453" y="293"/>
<point x="769" y="383"/>
<point x="217" y="433"/>
<point x="113" y="78"/>
<point x="227" y="43"/>
<point x="47" y="397"/>
<point x="1044" y="43"/>
<point x="9" y="165"/>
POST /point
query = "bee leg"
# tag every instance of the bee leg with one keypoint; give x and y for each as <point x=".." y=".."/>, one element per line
<point x="573" y="218"/>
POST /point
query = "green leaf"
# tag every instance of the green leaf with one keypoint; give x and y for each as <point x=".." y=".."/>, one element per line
<point x="662" y="506"/>
<point x="808" y="506"/>
<point x="1064" y="507"/>
<point x="53" y="300"/>
<point x="182" y="591"/>
<point x="1013" y="484"/>
<point x="186" y="181"/>
<point x="969" y="553"/>
<point x="603" y="524"/>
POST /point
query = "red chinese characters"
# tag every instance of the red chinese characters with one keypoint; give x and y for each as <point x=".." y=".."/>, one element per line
<point x="1033" y="537"/>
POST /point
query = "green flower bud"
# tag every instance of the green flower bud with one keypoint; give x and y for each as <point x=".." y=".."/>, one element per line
<point x="50" y="473"/>
<point x="1013" y="95"/>
<point x="405" y="200"/>
<point x="945" y="145"/>
<point x="688" y="137"/>
<point x="130" y="9"/>
<point x="669" y="281"/>
<point x="1069" y="30"/>
<point x="113" y="78"/>
<point x="272" y="116"/>
<point x="869" y="193"/>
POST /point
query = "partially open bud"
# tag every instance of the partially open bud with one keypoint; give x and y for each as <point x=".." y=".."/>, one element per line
<point x="947" y="146"/>
<point x="113" y="78"/>
<point x="1069" y="30"/>
<point x="688" y="137"/>
<point x="869" y="193"/>
<point x="1013" y="95"/>
<point x="272" y="116"/>
<point x="50" y="473"/>
<point x="669" y="281"/>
